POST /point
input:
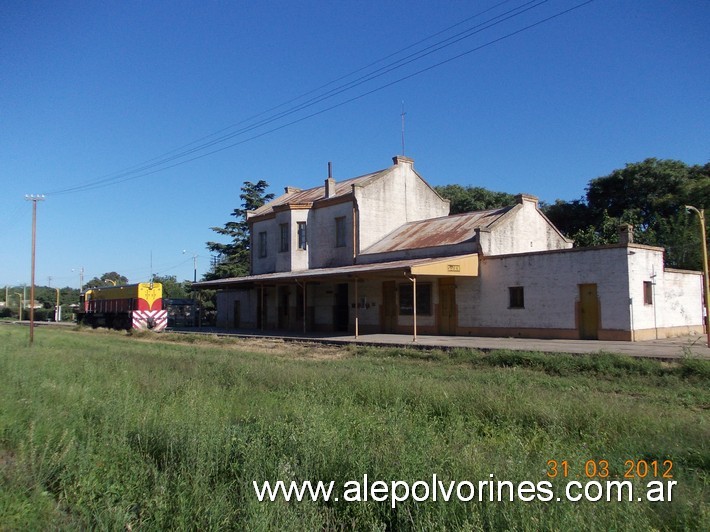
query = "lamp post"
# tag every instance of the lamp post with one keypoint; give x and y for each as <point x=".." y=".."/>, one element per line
<point x="701" y="216"/>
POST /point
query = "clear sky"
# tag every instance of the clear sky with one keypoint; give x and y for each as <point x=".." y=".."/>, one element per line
<point x="116" y="97"/>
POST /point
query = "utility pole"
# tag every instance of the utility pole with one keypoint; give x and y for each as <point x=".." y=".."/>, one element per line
<point x="81" y="277"/>
<point x="194" y="264"/>
<point x="34" y="199"/>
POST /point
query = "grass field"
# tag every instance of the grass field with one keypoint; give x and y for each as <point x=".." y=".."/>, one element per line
<point x="103" y="430"/>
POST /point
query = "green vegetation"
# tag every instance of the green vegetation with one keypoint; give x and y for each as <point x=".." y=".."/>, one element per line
<point x="103" y="430"/>
<point x="651" y="195"/>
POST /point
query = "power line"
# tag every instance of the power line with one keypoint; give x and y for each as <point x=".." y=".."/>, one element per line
<point x="162" y="164"/>
<point x="143" y="169"/>
<point x="178" y="152"/>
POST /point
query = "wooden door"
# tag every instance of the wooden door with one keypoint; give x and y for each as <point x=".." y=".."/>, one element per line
<point x="447" y="306"/>
<point x="389" y="307"/>
<point x="588" y="312"/>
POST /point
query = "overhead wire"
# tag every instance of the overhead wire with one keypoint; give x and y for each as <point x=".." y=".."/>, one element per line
<point x="163" y="165"/>
<point x="161" y="158"/>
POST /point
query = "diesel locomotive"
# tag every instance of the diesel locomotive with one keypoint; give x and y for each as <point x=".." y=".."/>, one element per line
<point x="133" y="306"/>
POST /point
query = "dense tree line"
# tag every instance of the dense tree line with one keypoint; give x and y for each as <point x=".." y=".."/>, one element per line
<point x="651" y="195"/>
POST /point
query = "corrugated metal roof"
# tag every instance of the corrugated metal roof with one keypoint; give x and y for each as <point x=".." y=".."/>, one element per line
<point x="306" y="197"/>
<point x="342" y="271"/>
<point x="444" y="231"/>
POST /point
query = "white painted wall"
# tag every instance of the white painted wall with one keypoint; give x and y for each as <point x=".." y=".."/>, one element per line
<point x="299" y="257"/>
<point x="322" y="252"/>
<point x="264" y="264"/>
<point x="551" y="283"/>
<point x="398" y="197"/>
<point x="677" y="295"/>
<point x="523" y="229"/>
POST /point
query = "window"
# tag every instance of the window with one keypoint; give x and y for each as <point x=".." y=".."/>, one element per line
<point x="648" y="293"/>
<point x="517" y="297"/>
<point x="262" y="244"/>
<point x="283" y="231"/>
<point x="340" y="232"/>
<point x="406" y="299"/>
<point x="301" y="235"/>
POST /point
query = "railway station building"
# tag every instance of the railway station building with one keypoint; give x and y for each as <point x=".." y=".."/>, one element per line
<point x="380" y="253"/>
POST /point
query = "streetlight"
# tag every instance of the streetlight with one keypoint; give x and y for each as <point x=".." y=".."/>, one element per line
<point x="109" y="281"/>
<point x="701" y="215"/>
<point x="194" y="264"/>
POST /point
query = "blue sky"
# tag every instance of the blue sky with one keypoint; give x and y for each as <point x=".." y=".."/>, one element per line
<point x="90" y="91"/>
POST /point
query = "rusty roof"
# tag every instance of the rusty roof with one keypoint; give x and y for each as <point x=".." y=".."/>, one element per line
<point x="443" y="231"/>
<point x="311" y="195"/>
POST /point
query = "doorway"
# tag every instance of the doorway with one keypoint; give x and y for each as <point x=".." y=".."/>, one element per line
<point x="340" y="308"/>
<point x="588" y="312"/>
<point x="447" y="306"/>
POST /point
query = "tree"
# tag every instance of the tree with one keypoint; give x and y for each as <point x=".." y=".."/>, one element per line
<point x="651" y="196"/>
<point x="469" y="199"/>
<point x="233" y="257"/>
<point x="171" y="287"/>
<point x="107" y="279"/>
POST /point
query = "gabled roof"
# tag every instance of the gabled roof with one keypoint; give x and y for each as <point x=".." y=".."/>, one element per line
<point x="443" y="231"/>
<point x="309" y="196"/>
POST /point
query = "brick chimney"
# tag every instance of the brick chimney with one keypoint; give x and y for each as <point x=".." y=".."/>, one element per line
<point x="522" y="198"/>
<point x="626" y="234"/>
<point x="401" y="159"/>
<point x="330" y="182"/>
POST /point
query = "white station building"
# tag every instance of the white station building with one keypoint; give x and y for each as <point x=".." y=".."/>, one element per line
<point x="380" y="253"/>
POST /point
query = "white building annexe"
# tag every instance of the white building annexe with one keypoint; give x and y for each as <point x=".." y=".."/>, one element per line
<point x="379" y="253"/>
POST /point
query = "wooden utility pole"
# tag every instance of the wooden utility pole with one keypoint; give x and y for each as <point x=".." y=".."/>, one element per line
<point x="34" y="199"/>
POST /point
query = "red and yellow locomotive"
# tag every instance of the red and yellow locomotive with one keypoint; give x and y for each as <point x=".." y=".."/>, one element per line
<point x="133" y="306"/>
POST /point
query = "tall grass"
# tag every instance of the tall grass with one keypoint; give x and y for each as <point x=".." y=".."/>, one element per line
<point x="102" y="430"/>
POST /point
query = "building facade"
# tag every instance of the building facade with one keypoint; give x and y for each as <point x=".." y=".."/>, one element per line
<point x="379" y="253"/>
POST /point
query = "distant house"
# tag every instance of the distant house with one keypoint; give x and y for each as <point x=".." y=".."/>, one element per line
<point x="380" y="253"/>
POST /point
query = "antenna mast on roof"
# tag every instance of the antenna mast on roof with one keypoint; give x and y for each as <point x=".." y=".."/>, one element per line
<point x="403" y="113"/>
